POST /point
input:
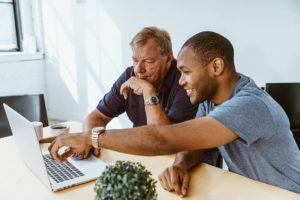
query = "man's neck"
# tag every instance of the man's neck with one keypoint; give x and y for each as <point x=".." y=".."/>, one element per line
<point x="226" y="89"/>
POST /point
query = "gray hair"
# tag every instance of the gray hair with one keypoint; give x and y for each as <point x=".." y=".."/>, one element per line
<point x="161" y="37"/>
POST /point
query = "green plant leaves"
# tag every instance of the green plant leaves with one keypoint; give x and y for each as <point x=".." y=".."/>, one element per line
<point x="125" y="180"/>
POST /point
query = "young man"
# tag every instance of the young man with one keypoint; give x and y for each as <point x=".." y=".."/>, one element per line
<point x="250" y="129"/>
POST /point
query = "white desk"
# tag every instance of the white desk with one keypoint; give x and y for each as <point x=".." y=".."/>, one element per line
<point x="208" y="183"/>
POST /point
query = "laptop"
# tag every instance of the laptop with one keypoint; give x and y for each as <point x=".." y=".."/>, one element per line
<point x="56" y="176"/>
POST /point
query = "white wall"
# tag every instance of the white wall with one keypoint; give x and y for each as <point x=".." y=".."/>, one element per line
<point x="87" y="42"/>
<point x="22" y="77"/>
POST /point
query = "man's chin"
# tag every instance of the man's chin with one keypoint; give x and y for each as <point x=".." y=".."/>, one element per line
<point x="195" y="101"/>
<point x="142" y="77"/>
<point x="192" y="100"/>
<point x="146" y="79"/>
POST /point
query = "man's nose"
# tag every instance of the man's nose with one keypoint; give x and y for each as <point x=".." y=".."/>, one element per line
<point x="139" y="68"/>
<point x="181" y="80"/>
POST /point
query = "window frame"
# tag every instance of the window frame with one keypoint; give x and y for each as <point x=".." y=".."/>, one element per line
<point x="18" y="27"/>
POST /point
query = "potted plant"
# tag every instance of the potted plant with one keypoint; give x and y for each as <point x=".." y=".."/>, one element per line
<point x="125" y="180"/>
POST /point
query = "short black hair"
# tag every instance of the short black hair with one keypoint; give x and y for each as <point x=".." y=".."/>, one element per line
<point x="209" y="45"/>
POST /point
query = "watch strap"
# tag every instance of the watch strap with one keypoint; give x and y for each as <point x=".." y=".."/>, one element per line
<point x="95" y="136"/>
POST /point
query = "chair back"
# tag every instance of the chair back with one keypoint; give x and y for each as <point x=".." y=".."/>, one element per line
<point x="288" y="96"/>
<point x="31" y="107"/>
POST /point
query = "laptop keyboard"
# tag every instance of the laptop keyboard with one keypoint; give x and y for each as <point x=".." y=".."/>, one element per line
<point x="60" y="172"/>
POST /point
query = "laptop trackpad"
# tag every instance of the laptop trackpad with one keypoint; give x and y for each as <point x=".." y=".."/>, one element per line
<point x="89" y="164"/>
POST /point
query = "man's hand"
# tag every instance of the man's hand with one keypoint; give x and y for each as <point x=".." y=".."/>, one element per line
<point x="139" y="87"/>
<point x="82" y="155"/>
<point x="77" y="143"/>
<point x="176" y="179"/>
<point x="93" y="119"/>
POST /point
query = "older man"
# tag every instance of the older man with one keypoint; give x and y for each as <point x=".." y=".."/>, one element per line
<point x="148" y="91"/>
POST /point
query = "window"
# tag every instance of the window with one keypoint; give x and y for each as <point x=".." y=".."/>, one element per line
<point x="10" y="34"/>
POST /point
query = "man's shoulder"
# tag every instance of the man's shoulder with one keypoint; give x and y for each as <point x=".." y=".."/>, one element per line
<point x="126" y="74"/>
<point x="129" y="71"/>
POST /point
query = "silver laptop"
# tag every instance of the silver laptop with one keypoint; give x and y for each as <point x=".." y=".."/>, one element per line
<point x="56" y="176"/>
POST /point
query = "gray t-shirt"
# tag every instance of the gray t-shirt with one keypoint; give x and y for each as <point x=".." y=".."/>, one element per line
<point x="265" y="149"/>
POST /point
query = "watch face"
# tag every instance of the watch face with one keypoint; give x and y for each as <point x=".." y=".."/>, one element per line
<point x="154" y="99"/>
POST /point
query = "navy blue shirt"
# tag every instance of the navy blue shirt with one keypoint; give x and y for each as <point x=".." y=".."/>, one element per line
<point x="172" y="98"/>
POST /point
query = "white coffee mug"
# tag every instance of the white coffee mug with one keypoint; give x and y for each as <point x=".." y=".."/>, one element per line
<point x="38" y="127"/>
<point x="58" y="129"/>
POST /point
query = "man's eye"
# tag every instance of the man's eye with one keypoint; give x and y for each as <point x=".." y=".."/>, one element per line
<point x="149" y="61"/>
<point x="186" y="72"/>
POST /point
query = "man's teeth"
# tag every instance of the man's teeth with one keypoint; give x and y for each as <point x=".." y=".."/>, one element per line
<point x="189" y="91"/>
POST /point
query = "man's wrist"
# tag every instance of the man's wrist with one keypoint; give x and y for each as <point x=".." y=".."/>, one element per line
<point x="88" y="137"/>
<point x="181" y="166"/>
<point x="149" y="92"/>
<point x="150" y="96"/>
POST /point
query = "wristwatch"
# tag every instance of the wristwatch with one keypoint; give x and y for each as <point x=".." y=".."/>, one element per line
<point x="95" y="136"/>
<point x="152" y="100"/>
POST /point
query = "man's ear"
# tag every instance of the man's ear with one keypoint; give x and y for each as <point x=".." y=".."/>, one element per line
<point x="169" y="58"/>
<point x="218" y="66"/>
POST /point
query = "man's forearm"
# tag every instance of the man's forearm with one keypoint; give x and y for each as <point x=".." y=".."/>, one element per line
<point x="95" y="118"/>
<point x="168" y="139"/>
<point x="147" y="144"/>
<point x="156" y="115"/>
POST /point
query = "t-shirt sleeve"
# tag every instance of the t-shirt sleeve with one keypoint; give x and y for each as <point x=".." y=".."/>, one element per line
<point x="181" y="108"/>
<point x="248" y="117"/>
<point x="113" y="103"/>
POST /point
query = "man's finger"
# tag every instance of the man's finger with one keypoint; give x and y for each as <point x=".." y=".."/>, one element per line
<point x="164" y="183"/>
<point x="66" y="155"/>
<point x="47" y="140"/>
<point x="97" y="152"/>
<point x="78" y="156"/>
<point x="75" y="155"/>
<point x="54" y="151"/>
<point x="50" y="146"/>
<point x="124" y="89"/>
<point x="85" y="154"/>
<point x="174" y="175"/>
<point x="125" y="93"/>
<point x="185" y="184"/>
<point x="168" y="180"/>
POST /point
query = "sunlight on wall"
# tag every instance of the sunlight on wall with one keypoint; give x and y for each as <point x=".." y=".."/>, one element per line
<point x="67" y="62"/>
<point x="60" y="45"/>
<point x="104" y="53"/>
<point x="104" y="56"/>
<point x="84" y="56"/>
<point x="111" y="43"/>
